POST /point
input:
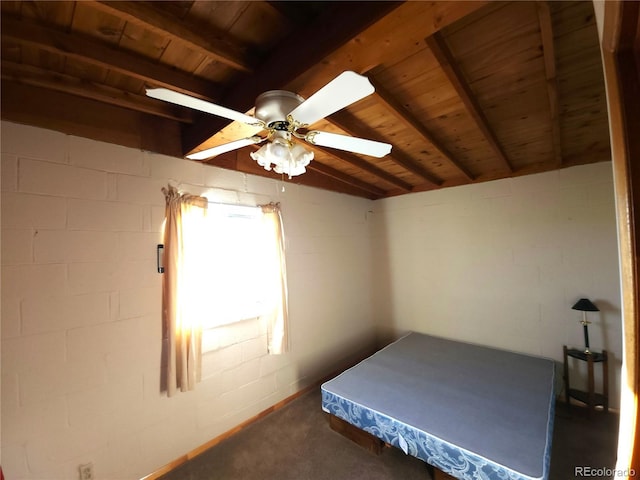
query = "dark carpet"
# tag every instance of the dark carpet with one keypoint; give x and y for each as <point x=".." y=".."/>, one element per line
<point x="296" y="443"/>
<point x="580" y="442"/>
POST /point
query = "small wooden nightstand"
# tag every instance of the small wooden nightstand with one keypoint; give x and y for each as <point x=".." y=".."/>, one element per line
<point x="590" y="397"/>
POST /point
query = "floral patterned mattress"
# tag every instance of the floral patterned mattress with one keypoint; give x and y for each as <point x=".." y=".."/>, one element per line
<point x="474" y="412"/>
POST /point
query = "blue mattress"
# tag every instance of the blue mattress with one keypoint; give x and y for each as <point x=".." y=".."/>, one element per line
<point x="473" y="412"/>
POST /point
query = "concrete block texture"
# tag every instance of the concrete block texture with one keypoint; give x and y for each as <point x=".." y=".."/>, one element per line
<point x="82" y="336"/>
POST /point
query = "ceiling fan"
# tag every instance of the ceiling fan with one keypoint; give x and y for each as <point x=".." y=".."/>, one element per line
<point x="284" y="116"/>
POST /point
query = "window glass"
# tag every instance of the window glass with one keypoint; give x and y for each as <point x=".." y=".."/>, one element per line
<point x="235" y="263"/>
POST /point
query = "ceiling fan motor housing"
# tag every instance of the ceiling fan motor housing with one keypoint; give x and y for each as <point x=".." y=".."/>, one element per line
<point x="272" y="108"/>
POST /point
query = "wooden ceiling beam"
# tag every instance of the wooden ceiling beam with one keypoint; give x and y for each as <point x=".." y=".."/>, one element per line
<point x="334" y="27"/>
<point x="549" y="52"/>
<point x="410" y="121"/>
<point x="29" y="75"/>
<point x="90" y="51"/>
<point x="73" y="115"/>
<point x="450" y="67"/>
<point x="344" y="121"/>
<point x="367" y="167"/>
<point x="213" y="43"/>
<point x="389" y="39"/>
<point x="293" y="12"/>
<point x="343" y="177"/>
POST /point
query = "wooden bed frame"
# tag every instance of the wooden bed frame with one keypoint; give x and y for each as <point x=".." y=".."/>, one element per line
<point x="362" y="438"/>
<point x="373" y="443"/>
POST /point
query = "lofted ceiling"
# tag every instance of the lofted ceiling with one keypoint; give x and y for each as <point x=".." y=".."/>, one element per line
<point x="465" y="91"/>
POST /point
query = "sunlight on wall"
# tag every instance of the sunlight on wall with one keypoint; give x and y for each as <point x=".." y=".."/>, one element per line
<point x="81" y="314"/>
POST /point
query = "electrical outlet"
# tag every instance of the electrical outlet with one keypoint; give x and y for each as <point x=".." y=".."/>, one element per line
<point x="86" y="471"/>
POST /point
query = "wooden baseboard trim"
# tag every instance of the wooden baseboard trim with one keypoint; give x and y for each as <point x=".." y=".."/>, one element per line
<point x="223" y="436"/>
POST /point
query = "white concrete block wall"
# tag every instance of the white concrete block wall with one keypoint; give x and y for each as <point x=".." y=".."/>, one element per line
<point x="81" y="325"/>
<point x="501" y="263"/>
<point x="497" y="263"/>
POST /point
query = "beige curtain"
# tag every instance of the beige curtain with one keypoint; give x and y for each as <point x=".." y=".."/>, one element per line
<point x="182" y="327"/>
<point x="277" y="317"/>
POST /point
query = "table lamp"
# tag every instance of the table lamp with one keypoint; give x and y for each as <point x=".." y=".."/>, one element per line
<point x="585" y="305"/>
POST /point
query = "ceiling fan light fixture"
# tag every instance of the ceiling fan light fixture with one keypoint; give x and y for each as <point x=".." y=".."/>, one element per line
<point x="280" y="149"/>
<point x="301" y="158"/>
<point x="282" y="114"/>
<point x="283" y="156"/>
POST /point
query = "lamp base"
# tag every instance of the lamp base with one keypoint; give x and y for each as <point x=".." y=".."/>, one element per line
<point x="586" y="337"/>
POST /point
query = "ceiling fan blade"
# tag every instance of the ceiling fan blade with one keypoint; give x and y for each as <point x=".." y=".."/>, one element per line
<point x="202" y="105"/>
<point x="224" y="148"/>
<point x="350" y="144"/>
<point x="345" y="89"/>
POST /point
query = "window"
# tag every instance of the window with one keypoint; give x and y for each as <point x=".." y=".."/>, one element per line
<point x="232" y="268"/>
<point x="237" y="263"/>
<point x="222" y="264"/>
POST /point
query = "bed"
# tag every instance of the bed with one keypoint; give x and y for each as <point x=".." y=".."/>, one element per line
<point x="470" y="411"/>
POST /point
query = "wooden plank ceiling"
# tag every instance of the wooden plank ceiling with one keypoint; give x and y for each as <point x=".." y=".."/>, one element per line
<point x="465" y="91"/>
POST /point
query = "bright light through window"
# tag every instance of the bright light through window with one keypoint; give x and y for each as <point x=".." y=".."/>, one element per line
<point x="234" y="265"/>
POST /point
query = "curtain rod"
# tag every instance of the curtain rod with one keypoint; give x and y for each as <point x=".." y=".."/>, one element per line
<point x="212" y="202"/>
<point x="241" y="205"/>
